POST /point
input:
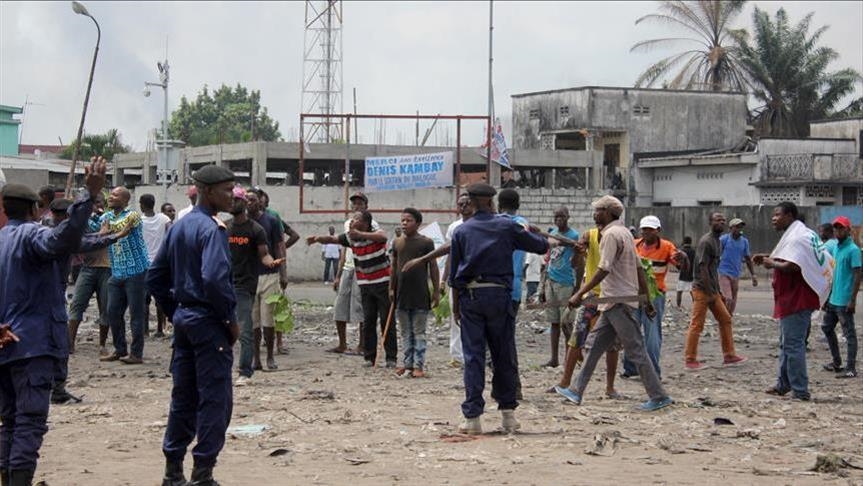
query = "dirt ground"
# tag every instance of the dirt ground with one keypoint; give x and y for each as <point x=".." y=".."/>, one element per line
<point x="324" y="419"/>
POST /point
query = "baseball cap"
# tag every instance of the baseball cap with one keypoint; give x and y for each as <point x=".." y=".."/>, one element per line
<point x="842" y="221"/>
<point x="650" y="222"/>
<point x="360" y="196"/>
<point x="736" y="221"/>
<point x="239" y="192"/>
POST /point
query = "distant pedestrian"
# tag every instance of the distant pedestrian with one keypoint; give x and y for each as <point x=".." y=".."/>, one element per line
<point x="192" y="194"/>
<point x="466" y="210"/>
<point x="827" y="236"/>
<point x="707" y="295"/>
<point x="842" y="303"/>
<point x="532" y="272"/>
<point x="330" y="257"/>
<point x="801" y="283"/>
<point x="168" y="210"/>
<point x="735" y="251"/>
<point x="191" y="280"/>
<point x="684" y="279"/>
<point x="155" y="227"/>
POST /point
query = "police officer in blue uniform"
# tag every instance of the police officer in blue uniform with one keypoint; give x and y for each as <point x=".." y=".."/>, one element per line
<point x="191" y="281"/>
<point x="33" y="259"/>
<point x="481" y="277"/>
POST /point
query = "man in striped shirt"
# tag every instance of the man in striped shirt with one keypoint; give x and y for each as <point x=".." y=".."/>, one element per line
<point x="372" y="265"/>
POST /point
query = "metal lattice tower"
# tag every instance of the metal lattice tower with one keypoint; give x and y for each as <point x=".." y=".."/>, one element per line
<point x="322" y="70"/>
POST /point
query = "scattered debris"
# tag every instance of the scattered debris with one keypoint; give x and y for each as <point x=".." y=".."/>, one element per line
<point x="722" y="421"/>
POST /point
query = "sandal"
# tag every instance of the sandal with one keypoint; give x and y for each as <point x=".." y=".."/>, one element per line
<point x="418" y="374"/>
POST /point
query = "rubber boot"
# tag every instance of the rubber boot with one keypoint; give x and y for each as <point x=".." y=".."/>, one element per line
<point x="174" y="474"/>
<point x="509" y="422"/>
<point x="21" y="477"/>
<point x="203" y="476"/>
<point x="471" y="426"/>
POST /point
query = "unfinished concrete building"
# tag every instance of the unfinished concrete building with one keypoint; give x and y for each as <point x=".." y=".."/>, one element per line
<point x="590" y="137"/>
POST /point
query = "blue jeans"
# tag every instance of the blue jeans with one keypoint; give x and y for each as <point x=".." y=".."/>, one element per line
<point x="330" y="265"/>
<point x="531" y="289"/>
<point x="792" y="353"/>
<point x="833" y="315"/>
<point x="244" y="316"/>
<point x="90" y="279"/>
<point x="413" y="327"/>
<point x="127" y="292"/>
<point x="652" y="329"/>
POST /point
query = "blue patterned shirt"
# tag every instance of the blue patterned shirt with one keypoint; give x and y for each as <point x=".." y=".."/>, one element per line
<point x="129" y="255"/>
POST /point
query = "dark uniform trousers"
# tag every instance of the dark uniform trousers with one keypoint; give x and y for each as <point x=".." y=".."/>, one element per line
<point x="202" y="397"/>
<point x="488" y="317"/>
<point x="25" y="388"/>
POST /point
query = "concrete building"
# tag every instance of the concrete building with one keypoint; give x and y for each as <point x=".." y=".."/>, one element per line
<point x="844" y="128"/>
<point x="9" y="129"/>
<point x="601" y="131"/>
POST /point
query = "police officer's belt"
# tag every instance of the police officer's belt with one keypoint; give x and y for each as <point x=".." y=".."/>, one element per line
<point x="473" y="284"/>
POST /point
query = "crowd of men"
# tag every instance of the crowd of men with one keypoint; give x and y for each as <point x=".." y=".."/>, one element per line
<point x="604" y="290"/>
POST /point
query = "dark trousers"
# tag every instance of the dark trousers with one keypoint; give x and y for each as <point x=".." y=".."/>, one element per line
<point x="25" y="388"/>
<point x="201" y="398"/>
<point x="376" y="305"/>
<point x="330" y="265"/>
<point x="833" y="315"/>
<point x="488" y="319"/>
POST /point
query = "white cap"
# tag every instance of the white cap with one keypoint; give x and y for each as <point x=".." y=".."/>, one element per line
<point x="650" y="222"/>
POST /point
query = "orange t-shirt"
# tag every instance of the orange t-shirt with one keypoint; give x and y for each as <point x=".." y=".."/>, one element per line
<point x="660" y="255"/>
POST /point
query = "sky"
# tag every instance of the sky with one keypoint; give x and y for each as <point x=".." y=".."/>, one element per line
<point x="400" y="56"/>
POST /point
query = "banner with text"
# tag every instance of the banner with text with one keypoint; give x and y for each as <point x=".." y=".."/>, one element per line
<point x="399" y="173"/>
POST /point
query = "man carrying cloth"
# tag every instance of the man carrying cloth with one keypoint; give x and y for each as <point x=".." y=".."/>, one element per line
<point x="621" y="276"/>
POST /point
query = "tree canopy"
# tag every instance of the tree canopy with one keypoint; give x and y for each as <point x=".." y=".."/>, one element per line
<point x="105" y="144"/>
<point x="787" y="72"/>
<point x="225" y="116"/>
<point x="710" y="62"/>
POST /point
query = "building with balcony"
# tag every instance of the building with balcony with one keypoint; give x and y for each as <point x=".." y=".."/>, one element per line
<point x="595" y="135"/>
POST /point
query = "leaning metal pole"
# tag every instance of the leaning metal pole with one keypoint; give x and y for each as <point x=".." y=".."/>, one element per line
<point x="75" y="155"/>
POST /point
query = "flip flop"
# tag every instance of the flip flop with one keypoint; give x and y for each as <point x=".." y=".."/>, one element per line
<point x="337" y="350"/>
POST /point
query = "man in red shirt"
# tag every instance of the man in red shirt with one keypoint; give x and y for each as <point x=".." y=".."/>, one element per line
<point x="794" y="301"/>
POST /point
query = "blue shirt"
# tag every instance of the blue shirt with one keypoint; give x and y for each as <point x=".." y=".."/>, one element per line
<point x="559" y="267"/>
<point x="482" y="249"/>
<point x="518" y="257"/>
<point x="129" y="255"/>
<point x="733" y="253"/>
<point x="846" y="257"/>
<point x="32" y="289"/>
<point x="193" y="269"/>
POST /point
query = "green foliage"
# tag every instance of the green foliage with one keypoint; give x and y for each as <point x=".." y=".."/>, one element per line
<point x="225" y="116"/>
<point x="652" y="287"/>
<point x="106" y="144"/>
<point x="442" y="311"/>
<point x="787" y="71"/>
<point x="710" y="61"/>
<point x="283" y="314"/>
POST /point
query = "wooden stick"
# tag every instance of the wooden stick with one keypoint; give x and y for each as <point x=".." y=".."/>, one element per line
<point x="386" y="329"/>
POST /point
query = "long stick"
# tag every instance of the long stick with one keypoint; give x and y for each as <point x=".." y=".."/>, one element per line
<point x="386" y="330"/>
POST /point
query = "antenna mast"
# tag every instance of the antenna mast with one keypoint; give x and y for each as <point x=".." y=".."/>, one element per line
<point x="322" y="70"/>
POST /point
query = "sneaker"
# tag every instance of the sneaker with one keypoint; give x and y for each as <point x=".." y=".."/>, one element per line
<point x="833" y="367"/>
<point x="568" y="394"/>
<point x="695" y="366"/>
<point x="776" y="391"/>
<point x="848" y="374"/>
<point x="470" y="426"/>
<point x="508" y="421"/>
<point x="112" y="357"/>
<point x="243" y="380"/>
<point x="801" y="397"/>
<point x="391" y="364"/>
<point x="654" y="405"/>
<point x="131" y="360"/>
<point x="271" y="364"/>
<point x="734" y="360"/>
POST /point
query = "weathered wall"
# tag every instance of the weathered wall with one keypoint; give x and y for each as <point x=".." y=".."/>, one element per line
<point x="779" y="146"/>
<point x="848" y="128"/>
<point x="693" y="221"/>
<point x="686" y="186"/>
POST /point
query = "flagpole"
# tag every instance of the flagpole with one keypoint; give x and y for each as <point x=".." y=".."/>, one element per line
<point x="490" y="94"/>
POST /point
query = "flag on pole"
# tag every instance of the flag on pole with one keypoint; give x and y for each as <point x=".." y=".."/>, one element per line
<point x="499" y="152"/>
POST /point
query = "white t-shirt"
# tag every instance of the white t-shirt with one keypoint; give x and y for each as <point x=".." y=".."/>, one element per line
<point x="331" y="250"/>
<point x="154" y="228"/>
<point x="451" y="228"/>
<point x="534" y="266"/>
<point x="184" y="211"/>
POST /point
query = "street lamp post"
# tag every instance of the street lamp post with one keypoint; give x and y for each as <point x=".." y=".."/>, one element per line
<point x="163" y="172"/>
<point x="82" y="10"/>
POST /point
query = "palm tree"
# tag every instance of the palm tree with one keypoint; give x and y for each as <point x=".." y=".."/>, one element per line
<point x="787" y="73"/>
<point x="105" y="144"/>
<point x="711" y="63"/>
